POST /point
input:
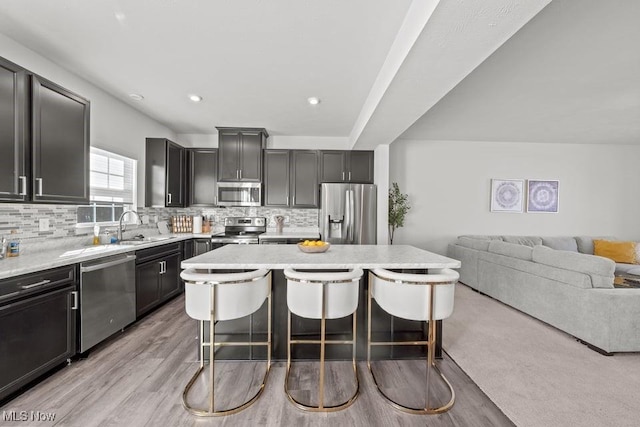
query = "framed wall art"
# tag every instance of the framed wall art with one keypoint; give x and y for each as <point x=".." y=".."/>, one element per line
<point x="542" y="196"/>
<point x="507" y="195"/>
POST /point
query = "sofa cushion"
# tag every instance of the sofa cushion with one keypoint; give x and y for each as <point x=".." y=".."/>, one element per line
<point x="624" y="252"/>
<point x="481" y="237"/>
<point x="561" y="243"/>
<point x="622" y="268"/>
<point x="510" y="249"/>
<point x="600" y="269"/>
<point x="523" y="240"/>
<point x="585" y="243"/>
<point x="477" y="244"/>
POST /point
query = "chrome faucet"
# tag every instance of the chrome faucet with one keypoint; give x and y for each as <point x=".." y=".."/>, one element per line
<point x="121" y="226"/>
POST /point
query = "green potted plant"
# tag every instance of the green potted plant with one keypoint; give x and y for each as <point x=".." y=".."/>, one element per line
<point x="398" y="208"/>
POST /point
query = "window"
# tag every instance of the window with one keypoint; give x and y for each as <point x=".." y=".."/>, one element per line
<point x="112" y="188"/>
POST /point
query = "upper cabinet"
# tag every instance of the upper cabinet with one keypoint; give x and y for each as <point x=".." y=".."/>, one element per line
<point x="291" y="178"/>
<point x="346" y="166"/>
<point x="60" y="144"/>
<point x="164" y="173"/>
<point x="202" y="176"/>
<point x="13" y="132"/>
<point x="44" y="139"/>
<point x="240" y="153"/>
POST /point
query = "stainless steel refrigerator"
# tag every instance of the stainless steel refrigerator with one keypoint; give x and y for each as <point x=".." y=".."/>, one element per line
<point x="348" y="214"/>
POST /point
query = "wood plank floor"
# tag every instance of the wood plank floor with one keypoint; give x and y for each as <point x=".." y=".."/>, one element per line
<point x="137" y="378"/>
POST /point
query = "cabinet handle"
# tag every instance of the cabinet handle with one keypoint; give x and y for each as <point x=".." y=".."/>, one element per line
<point x="349" y="175"/>
<point x="74" y="294"/>
<point x="343" y="175"/>
<point x="287" y="200"/>
<point x="161" y="262"/>
<point x="23" y="185"/>
<point x="39" y="182"/>
<point x="33" y="285"/>
<point x="240" y="173"/>
<point x="215" y="200"/>
<point x="169" y="196"/>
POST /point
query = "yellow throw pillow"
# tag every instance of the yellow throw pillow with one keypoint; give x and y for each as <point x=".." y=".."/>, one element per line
<point x="623" y="252"/>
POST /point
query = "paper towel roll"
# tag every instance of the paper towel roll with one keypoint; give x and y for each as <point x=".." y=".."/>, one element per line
<point x="197" y="224"/>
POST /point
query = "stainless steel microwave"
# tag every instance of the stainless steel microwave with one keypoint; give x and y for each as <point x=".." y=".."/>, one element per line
<point x="239" y="194"/>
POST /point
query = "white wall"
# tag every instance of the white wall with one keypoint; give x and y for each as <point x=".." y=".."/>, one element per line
<point x="381" y="179"/>
<point x="449" y="183"/>
<point x="115" y="126"/>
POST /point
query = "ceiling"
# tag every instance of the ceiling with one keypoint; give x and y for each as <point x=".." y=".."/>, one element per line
<point x="497" y="70"/>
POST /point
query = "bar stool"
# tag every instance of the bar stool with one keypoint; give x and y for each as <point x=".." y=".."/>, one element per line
<point x="217" y="297"/>
<point x="322" y="295"/>
<point x="419" y="297"/>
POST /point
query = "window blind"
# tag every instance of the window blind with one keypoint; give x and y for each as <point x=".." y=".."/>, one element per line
<point x="112" y="177"/>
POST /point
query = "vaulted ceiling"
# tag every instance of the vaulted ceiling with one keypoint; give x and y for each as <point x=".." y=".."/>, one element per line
<point x="512" y="70"/>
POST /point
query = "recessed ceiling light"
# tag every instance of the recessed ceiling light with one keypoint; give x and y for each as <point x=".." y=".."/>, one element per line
<point x="136" y="97"/>
<point x="313" y="100"/>
<point x="195" y="98"/>
<point x="120" y="16"/>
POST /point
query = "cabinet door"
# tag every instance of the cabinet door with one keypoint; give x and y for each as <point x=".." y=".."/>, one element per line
<point x="251" y="156"/>
<point x="147" y="286"/>
<point x="361" y="167"/>
<point x="228" y="152"/>
<point x="175" y="173"/>
<point x="60" y="144"/>
<point x="333" y="166"/>
<point x="203" y="177"/>
<point x="170" y="278"/>
<point x="201" y="246"/>
<point x="305" y="188"/>
<point x="276" y="178"/>
<point x="13" y="131"/>
<point x="37" y="334"/>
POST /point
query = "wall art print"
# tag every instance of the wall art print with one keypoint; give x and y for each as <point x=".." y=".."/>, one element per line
<point x="507" y="195"/>
<point x="542" y="196"/>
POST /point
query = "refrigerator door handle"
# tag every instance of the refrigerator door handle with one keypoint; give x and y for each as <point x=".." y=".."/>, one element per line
<point x="352" y="215"/>
<point x="347" y="218"/>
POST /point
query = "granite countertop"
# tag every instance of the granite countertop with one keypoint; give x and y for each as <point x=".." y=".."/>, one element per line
<point x="290" y="233"/>
<point x="33" y="261"/>
<point x="279" y="257"/>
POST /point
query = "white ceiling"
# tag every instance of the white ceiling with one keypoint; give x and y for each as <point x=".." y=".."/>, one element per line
<point x="566" y="74"/>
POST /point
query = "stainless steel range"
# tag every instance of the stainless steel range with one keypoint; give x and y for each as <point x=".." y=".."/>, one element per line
<point x="240" y="230"/>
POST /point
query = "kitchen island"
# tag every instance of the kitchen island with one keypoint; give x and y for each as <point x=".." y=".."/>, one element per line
<point x="338" y="257"/>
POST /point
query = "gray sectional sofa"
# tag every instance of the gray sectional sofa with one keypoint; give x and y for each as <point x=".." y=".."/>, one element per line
<point x="557" y="280"/>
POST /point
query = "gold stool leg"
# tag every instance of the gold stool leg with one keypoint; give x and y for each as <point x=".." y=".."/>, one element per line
<point x="321" y="407"/>
<point x="210" y="411"/>
<point x="430" y="344"/>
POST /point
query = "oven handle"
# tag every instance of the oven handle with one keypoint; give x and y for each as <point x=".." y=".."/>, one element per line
<point x="104" y="265"/>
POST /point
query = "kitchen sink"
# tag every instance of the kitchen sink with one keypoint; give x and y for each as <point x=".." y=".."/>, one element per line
<point x="141" y="240"/>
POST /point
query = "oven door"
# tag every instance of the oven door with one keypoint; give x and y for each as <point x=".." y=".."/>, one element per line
<point x="239" y="194"/>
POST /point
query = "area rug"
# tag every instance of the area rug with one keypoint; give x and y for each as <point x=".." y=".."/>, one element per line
<point x="536" y="374"/>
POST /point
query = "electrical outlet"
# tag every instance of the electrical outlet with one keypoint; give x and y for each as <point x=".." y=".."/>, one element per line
<point x="43" y="224"/>
<point x="145" y="219"/>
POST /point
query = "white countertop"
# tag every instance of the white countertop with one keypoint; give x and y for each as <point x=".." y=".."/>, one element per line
<point x="42" y="260"/>
<point x="279" y="257"/>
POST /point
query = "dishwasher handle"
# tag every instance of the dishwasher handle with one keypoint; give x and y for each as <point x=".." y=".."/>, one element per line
<point x="103" y="265"/>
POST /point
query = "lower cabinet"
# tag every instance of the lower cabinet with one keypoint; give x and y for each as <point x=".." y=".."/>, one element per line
<point x="157" y="276"/>
<point x="37" y="326"/>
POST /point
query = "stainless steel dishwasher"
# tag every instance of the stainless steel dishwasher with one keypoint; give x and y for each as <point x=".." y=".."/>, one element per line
<point x="107" y="298"/>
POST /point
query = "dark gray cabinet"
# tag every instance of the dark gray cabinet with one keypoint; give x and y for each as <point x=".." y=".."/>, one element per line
<point x="13" y="132"/>
<point x="164" y="173"/>
<point x="44" y="139"/>
<point x="201" y="246"/>
<point x="37" y="327"/>
<point x="291" y="178"/>
<point x="157" y="276"/>
<point x="59" y="144"/>
<point x="202" y="176"/>
<point x="240" y="153"/>
<point x="346" y="166"/>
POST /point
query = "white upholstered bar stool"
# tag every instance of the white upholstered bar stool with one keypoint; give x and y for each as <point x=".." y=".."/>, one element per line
<point x="322" y="295"/>
<point x="217" y="297"/>
<point x="419" y="297"/>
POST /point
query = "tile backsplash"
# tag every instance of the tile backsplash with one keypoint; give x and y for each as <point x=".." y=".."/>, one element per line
<point x="62" y="219"/>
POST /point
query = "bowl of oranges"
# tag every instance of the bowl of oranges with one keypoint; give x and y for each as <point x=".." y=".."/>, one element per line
<point x="313" y="246"/>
